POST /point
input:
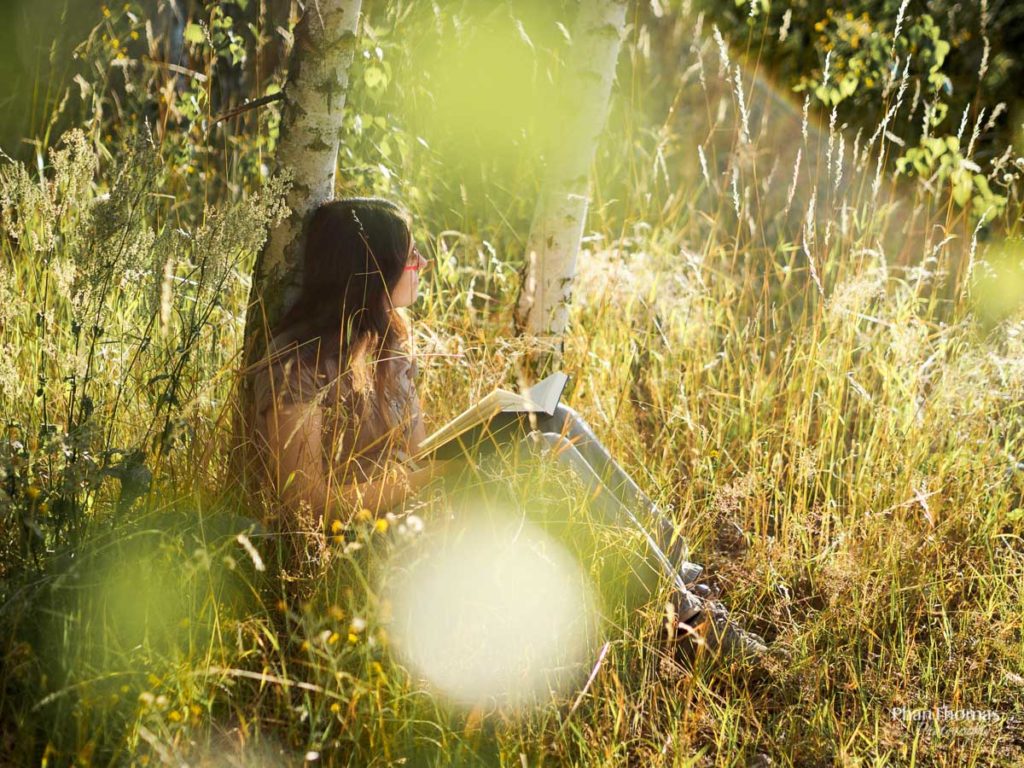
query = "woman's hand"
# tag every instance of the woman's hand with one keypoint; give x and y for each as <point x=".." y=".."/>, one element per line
<point x="441" y="467"/>
<point x="413" y="478"/>
<point x="295" y="442"/>
<point x="429" y="470"/>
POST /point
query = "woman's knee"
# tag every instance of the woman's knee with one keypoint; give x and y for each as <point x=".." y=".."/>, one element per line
<point x="542" y="443"/>
<point x="562" y="420"/>
<point x="564" y="451"/>
<point x="545" y="440"/>
<point x="567" y="413"/>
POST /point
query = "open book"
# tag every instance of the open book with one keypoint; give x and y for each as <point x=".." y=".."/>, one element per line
<point x="450" y="440"/>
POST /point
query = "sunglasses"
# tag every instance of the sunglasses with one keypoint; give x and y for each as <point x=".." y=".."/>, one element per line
<point x="415" y="264"/>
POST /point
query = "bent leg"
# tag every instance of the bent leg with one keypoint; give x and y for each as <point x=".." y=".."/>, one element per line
<point x="645" y="568"/>
<point x="568" y="422"/>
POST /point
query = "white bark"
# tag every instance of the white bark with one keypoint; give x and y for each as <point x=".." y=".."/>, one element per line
<point x="307" y="151"/>
<point x="560" y="214"/>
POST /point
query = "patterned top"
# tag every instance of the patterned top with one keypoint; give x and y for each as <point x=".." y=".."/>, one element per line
<point x="358" y="440"/>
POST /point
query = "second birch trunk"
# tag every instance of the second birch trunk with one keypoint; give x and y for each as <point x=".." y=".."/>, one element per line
<point x="559" y="217"/>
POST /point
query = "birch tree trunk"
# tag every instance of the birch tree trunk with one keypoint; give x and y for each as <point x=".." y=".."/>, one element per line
<point x="307" y="151"/>
<point x="542" y="308"/>
<point x="325" y="41"/>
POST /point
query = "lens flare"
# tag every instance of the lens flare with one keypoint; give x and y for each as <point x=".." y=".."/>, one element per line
<point x="998" y="289"/>
<point x="493" y="96"/>
<point x="495" y="610"/>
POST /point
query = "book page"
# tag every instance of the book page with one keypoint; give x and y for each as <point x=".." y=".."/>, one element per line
<point x="542" y="397"/>
<point x="484" y="410"/>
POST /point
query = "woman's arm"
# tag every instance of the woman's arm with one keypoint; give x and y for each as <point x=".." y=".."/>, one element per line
<point x="419" y="432"/>
<point x="295" y="441"/>
<point x="417" y="436"/>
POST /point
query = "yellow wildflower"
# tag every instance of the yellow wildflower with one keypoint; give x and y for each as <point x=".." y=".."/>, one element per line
<point x="381" y="526"/>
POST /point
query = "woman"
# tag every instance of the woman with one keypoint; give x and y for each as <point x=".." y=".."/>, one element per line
<point x="338" y="371"/>
<point x="337" y="413"/>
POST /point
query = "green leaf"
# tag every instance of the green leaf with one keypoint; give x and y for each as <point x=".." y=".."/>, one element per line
<point x="375" y="77"/>
<point x="962" y="187"/>
<point x="194" y="33"/>
<point x="935" y="145"/>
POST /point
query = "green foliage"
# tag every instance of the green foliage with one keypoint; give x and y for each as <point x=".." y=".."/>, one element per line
<point x="825" y="407"/>
<point x="863" y="53"/>
<point x="110" y="272"/>
<point x="921" y="63"/>
<point x="940" y="160"/>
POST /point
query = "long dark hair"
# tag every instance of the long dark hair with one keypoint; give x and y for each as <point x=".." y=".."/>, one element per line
<point x="355" y="253"/>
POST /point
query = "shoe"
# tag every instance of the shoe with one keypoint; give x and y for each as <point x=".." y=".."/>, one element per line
<point x="690" y="572"/>
<point x="712" y="634"/>
<point x="703" y="591"/>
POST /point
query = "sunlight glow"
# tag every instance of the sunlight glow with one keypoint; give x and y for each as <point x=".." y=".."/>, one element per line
<point x="999" y="283"/>
<point x="493" y="96"/>
<point x="496" y="609"/>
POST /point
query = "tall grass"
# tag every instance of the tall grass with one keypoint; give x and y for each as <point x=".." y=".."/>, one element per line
<point x="785" y="344"/>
